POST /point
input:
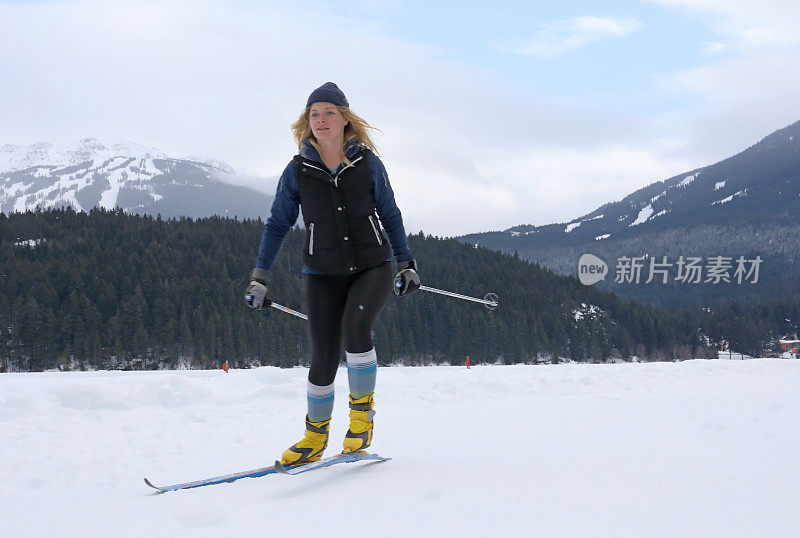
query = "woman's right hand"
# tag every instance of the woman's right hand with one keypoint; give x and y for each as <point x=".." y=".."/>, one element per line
<point x="256" y="295"/>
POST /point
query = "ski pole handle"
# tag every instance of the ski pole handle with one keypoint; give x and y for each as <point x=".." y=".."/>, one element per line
<point x="249" y="298"/>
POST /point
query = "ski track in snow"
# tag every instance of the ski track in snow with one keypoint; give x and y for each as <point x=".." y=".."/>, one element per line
<point x="699" y="448"/>
<point x="643" y="215"/>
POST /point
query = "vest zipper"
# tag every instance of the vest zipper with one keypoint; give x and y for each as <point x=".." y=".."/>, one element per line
<point x="311" y="239"/>
<point x="336" y="178"/>
<point x="375" y="229"/>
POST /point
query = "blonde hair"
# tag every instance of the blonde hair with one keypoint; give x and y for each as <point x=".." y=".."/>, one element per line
<point x="357" y="127"/>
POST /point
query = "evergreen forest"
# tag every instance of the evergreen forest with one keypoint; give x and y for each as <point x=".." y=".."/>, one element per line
<point x="110" y="290"/>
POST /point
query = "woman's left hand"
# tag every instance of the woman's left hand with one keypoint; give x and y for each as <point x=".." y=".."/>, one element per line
<point x="407" y="279"/>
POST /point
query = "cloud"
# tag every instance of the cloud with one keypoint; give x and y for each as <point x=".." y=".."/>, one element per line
<point x="749" y="27"/>
<point x="751" y="90"/>
<point x="222" y="79"/>
<point x="713" y="48"/>
<point x="562" y="37"/>
<point x="736" y="102"/>
<point x="742" y="82"/>
<point x="555" y="182"/>
<point x="466" y="150"/>
<point x="171" y="76"/>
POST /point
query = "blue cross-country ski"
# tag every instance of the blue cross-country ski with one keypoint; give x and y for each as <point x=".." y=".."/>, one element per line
<point x="345" y="457"/>
<point x="272" y="469"/>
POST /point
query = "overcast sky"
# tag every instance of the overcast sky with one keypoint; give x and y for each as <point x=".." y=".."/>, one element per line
<point x="491" y="116"/>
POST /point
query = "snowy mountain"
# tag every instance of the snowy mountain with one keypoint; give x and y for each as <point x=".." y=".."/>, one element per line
<point x="762" y="180"/>
<point x="746" y="204"/>
<point x="93" y="173"/>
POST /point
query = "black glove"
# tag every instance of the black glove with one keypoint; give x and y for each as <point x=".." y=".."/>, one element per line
<point x="256" y="294"/>
<point x="407" y="279"/>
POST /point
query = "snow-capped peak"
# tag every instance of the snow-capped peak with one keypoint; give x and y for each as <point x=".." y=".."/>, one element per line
<point x="219" y="164"/>
<point x="93" y="172"/>
<point x="19" y="157"/>
<point x="114" y="172"/>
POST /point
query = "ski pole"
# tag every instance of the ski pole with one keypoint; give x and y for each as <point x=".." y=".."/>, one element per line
<point x="289" y="310"/>
<point x="489" y="300"/>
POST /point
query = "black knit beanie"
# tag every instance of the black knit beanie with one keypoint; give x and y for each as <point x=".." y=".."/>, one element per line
<point x="328" y="93"/>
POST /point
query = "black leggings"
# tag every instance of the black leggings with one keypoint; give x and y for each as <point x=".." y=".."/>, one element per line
<point x="343" y="306"/>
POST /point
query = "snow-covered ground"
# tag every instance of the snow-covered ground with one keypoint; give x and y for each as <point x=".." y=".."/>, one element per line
<point x="700" y="448"/>
<point x="734" y="356"/>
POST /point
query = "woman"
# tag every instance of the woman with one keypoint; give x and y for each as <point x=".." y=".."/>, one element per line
<point x="344" y="192"/>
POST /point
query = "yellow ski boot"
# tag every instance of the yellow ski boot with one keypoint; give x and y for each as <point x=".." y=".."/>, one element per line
<point x="359" y="435"/>
<point x="310" y="447"/>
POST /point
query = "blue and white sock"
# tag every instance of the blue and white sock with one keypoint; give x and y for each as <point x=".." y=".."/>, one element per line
<point x="320" y="402"/>
<point x="362" y="369"/>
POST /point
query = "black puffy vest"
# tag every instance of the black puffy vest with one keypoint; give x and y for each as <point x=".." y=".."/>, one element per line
<point x="343" y="235"/>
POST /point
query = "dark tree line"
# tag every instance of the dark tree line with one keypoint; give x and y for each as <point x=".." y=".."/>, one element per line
<point x="112" y="290"/>
<point x="750" y="328"/>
